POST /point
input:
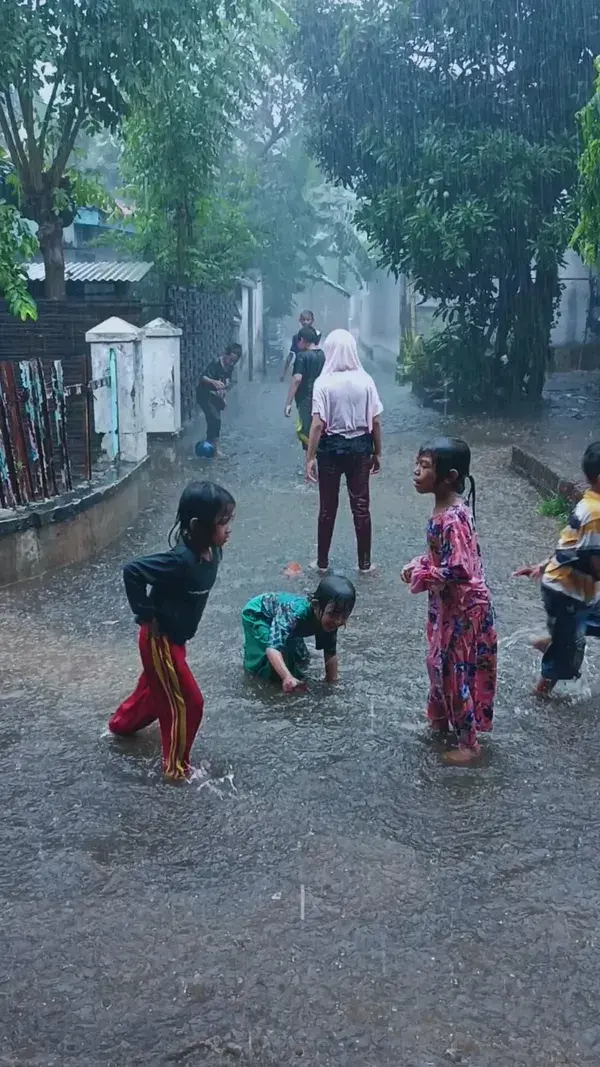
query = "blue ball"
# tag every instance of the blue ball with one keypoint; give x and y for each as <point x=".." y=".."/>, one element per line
<point x="204" y="450"/>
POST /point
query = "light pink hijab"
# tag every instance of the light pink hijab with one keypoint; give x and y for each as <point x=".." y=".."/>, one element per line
<point x="345" y="397"/>
<point x="341" y="353"/>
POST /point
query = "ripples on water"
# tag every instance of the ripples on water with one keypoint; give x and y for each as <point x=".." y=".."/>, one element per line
<point x="324" y="889"/>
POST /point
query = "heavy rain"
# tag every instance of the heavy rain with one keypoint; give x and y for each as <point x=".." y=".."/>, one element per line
<point x="285" y="249"/>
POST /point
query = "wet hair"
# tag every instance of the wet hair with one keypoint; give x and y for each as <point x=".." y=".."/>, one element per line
<point x="309" y="335"/>
<point x="336" y="590"/>
<point x="590" y="463"/>
<point x="307" y="315"/>
<point x="451" y="454"/>
<point x="206" y="502"/>
<point x="234" y="350"/>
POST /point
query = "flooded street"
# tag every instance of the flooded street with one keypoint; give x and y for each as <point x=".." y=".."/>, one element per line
<point x="325" y="891"/>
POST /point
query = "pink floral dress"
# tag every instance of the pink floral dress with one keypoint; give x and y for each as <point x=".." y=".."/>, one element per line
<point x="461" y="634"/>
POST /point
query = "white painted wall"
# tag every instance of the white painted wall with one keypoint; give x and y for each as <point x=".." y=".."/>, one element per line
<point x="375" y="310"/>
<point x="162" y="377"/>
<point x="257" y="297"/>
<point x="243" y="337"/>
<point x="571" y="320"/>
<point x="124" y="339"/>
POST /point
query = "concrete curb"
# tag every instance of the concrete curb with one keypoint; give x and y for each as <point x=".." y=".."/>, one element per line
<point x="73" y="528"/>
<point x="542" y="477"/>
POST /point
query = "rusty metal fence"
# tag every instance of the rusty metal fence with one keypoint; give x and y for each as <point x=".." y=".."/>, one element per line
<point x="34" y="447"/>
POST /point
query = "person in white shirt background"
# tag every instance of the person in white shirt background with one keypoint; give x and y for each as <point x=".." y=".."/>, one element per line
<point x="345" y="439"/>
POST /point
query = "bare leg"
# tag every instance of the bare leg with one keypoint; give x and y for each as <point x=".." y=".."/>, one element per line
<point x="541" y="644"/>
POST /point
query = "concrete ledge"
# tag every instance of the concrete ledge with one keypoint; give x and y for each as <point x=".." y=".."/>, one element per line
<point x="71" y="528"/>
<point x="542" y="476"/>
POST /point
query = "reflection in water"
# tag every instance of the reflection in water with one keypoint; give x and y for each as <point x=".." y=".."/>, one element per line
<point x="324" y="890"/>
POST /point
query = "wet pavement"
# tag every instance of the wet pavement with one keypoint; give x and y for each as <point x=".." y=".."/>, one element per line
<point x="325" y="891"/>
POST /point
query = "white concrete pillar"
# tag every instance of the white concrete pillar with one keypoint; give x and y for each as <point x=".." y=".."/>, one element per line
<point x="259" y="341"/>
<point x="116" y="351"/>
<point x="161" y="343"/>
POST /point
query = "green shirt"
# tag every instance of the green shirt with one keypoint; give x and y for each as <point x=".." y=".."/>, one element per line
<point x="289" y="618"/>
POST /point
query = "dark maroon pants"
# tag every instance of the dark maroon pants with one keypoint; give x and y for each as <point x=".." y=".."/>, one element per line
<point x="357" y="469"/>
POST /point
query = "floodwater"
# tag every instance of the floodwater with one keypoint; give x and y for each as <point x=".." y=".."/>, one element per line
<point x="325" y="891"/>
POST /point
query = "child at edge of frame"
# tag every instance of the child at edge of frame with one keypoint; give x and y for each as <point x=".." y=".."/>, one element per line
<point x="570" y="585"/>
<point x="276" y="625"/>
<point x="461" y="633"/>
<point x="167" y="593"/>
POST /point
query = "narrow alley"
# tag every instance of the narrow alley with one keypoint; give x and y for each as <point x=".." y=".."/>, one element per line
<point x="324" y="890"/>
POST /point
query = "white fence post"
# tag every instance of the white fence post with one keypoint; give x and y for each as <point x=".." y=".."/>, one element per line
<point x="161" y="342"/>
<point x="123" y="339"/>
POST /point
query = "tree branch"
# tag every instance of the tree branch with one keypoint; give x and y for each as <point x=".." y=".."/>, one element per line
<point x="36" y="162"/>
<point x="277" y="133"/>
<point x="6" y="132"/>
<point x="19" y="153"/>
<point x="67" y="144"/>
<point x="48" y="115"/>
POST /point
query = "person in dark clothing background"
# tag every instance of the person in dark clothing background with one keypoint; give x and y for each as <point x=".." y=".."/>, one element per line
<point x="306" y="318"/>
<point x="212" y="388"/>
<point x="307" y="367"/>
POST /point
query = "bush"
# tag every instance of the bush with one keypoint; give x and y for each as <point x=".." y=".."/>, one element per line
<point x="458" y="362"/>
<point x="556" y="507"/>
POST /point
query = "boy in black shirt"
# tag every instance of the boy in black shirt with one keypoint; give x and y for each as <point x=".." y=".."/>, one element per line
<point x="307" y="367"/>
<point x="212" y="388"/>
<point x="306" y="318"/>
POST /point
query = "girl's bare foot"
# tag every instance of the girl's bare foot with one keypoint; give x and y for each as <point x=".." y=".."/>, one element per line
<point x="461" y="757"/>
<point x="314" y="566"/>
<point x="542" y="644"/>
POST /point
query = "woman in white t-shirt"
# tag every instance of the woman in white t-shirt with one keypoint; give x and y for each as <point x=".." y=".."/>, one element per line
<point x="345" y="439"/>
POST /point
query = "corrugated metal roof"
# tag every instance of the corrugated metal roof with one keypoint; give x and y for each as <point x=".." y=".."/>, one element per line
<point x="103" y="271"/>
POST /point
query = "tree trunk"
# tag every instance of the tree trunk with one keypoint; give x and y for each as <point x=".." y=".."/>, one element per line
<point x="532" y="326"/>
<point x="547" y="290"/>
<point x="50" y="236"/>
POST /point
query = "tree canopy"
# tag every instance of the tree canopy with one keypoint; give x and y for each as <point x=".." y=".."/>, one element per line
<point x="67" y="67"/>
<point x="172" y="171"/>
<point x="454" y="123"/>
<point x="586" y="238"/>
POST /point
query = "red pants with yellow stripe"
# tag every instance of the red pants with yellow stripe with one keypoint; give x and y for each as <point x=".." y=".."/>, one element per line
<point x="167" y="691"/>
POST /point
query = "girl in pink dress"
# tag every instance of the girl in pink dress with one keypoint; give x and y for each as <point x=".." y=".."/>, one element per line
<point x="461" y="634"/>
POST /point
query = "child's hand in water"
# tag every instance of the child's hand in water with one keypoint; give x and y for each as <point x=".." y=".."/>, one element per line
<point x="290" y="684"/>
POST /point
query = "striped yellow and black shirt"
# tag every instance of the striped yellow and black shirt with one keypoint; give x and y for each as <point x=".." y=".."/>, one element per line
<point x="570" y="570"/>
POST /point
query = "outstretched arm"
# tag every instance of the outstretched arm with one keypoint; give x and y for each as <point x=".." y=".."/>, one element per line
<point x="331" y="667"/>
<point x="278" y="664"/>
<point x="534" y="572"/>
<point x="294" y="386"/>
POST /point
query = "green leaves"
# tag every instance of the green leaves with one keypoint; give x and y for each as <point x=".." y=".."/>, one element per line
<point x="586" y="238"/>
<point x="454" y="123"/>
<point x="17" y="245"/>
<point x="70" y="68"/>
